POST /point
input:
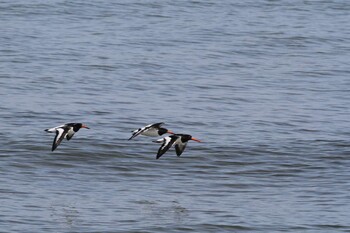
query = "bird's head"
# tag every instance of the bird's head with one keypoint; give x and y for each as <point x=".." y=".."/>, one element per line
<point x="187" y="137"/>
<point x="162" y="131"/>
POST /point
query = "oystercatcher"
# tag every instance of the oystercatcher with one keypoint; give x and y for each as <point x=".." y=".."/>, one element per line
<point x="65" y="131"/>
<point x="179" y="140"/>
<point x="152" y="130"/>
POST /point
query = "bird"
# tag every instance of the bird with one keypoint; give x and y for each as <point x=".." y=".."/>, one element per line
<point x="179" y="140"/>
<point x="151" y="130"/>
<point x="65" y="131"/>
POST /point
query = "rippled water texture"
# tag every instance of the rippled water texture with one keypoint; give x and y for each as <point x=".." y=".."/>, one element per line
<point x="264" y="84"/>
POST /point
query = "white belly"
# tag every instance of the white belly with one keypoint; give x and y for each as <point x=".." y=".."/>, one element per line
<point x="151" y="133"/>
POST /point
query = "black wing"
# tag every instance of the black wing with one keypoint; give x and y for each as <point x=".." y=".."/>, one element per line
<point x="180" y="148"/>
<point x="137" y="132"/>
<point x="167" y="143"/>
<point x="156" y="125"/>
<point x="60" y="133"/>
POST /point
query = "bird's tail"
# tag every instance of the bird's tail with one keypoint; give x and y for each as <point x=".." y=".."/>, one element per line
<point x="50" y="130"/>
<point x="159" y="140"/>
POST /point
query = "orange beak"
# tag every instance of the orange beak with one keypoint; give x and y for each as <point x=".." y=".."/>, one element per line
<point x="84" y="126"/>
<point x="171" y="132"/>
<point x="195" y="139"/>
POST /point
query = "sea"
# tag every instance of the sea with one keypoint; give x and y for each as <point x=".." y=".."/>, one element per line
<point x="265" y="85"/>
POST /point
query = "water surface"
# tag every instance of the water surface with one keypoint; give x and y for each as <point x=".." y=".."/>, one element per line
<point x="264" y="84"/>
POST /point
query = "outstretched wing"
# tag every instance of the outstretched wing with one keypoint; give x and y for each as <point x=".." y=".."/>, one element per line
<point x="53" y="130"/>
<point x="156" y="125"/>
<point x="141" y="130"/>
<point x="60" y="133"/>
<point x="180" y="147"/>
<point x="137" y="132"/>
<point x="167" y="143"/>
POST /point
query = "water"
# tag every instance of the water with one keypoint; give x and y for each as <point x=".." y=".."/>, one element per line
<point x="264" y="84"/>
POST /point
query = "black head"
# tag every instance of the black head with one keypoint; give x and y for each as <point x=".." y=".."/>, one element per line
<point x="77" y="126"/>
<point x="185" y="137"/>
<point x="162" y="131"/>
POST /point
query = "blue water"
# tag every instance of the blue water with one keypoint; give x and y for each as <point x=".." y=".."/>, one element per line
<point x="264" y="84"/>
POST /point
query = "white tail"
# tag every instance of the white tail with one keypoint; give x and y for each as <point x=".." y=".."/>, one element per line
<point x="159" y="140"/>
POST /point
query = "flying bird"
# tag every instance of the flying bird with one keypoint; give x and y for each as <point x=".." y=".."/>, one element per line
<point x="64" y="131"/>
<point x="152" y="130"/>
<point x="178" y="140"/>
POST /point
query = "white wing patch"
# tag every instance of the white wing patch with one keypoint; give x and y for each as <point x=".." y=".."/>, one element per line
<point x="60" y="135"/>
<point x="53" y="130"/>
<point x="167" y="143"/>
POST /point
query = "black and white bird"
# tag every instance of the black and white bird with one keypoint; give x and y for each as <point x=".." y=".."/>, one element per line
<point x="179" y="140"/>
<point x="64" y="131"/>
<point x="152" y="130"/>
